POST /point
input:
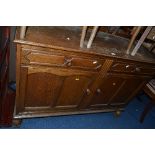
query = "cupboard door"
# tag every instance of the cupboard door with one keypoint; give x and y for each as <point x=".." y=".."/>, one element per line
<point x="106" y="90"/>
<point x="117" y="89"/>
<point x="72" y="91"/>
<point x="44" y="88"/>
<point x="129" y="88"/>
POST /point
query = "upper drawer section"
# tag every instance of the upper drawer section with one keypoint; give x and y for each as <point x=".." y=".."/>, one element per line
<point x="54" y="59"/>
<point x="136" y="68"/>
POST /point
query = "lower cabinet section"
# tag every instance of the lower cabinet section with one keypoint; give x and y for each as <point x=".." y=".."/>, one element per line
<point x="47" y="91"/>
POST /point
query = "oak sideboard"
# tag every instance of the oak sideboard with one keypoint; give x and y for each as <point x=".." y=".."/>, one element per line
<point x="54" y="76"/>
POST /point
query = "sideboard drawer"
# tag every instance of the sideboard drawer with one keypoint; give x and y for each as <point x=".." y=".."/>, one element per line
<point x="84" y="63"/>
<point x="42" y="59"/>
<point x="145" y="69"/>
<point x="119" y="66"/>
<point x="136" y="68"/>
<point x="64" y="60"/>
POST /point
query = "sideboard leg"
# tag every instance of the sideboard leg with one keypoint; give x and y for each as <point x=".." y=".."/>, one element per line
<point x="117" y="113"/>
<point x="16" y="122"/>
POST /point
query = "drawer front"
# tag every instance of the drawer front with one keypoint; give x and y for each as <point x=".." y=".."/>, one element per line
<point x="73" y="61"/>
<point x="122" y="67"/>
<point x="146" y="69"/>
<point x="83" y="63"/>
<point x="134" y="68"/>
<point x="42" y="59"/>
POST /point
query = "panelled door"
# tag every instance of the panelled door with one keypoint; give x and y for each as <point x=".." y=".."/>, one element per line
<point x="49" y="88"/>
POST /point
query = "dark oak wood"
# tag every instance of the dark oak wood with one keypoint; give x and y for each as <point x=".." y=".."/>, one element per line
<point x="57" y="58"/>
<point x="57" y="77"/>
<point x="53" y="88"/>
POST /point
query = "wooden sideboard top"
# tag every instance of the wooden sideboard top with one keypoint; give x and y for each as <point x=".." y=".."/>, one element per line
<point x="68" y="38"/>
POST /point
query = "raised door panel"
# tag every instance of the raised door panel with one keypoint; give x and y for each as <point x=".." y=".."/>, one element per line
<point x="43" y="88"/>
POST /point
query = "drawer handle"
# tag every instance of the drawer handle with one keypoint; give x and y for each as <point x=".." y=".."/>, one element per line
<point x="88" y="92"/>
<point x="68" y="62"/>
<point x="95" y="62"/>
<point x="115" y="65"/>
<point x="127" y="66"/>
<point x="99" y="66"/>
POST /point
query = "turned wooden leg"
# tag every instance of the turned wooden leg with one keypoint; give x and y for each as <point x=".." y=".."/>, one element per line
<point x="148" y="107"/>
<point x="16" y="122"/>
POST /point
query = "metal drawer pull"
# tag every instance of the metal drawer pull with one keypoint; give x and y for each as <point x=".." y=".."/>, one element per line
<point x="68" y="62"/>
<point x="127" y="66"/>
<point x="99" y="66"/>
<point x="95" y="62"/>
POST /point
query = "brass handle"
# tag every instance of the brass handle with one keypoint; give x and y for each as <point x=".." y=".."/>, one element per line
<point x="99" y="66"/>
<point x="127" y="66"/>
<point x="95" y="62"/>
<point x="69" y="63"/>
<point x="88" y="92"/>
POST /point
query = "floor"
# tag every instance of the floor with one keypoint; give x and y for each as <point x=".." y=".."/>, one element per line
<point x="129" y="119"/>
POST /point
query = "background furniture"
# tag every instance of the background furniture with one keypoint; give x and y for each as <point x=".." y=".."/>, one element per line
<point x="135" y="32"/>
<point x="149" y="89"/>
<point x="57" y="77"/>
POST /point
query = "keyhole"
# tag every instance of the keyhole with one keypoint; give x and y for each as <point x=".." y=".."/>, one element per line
<point x="77" y="79"/>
